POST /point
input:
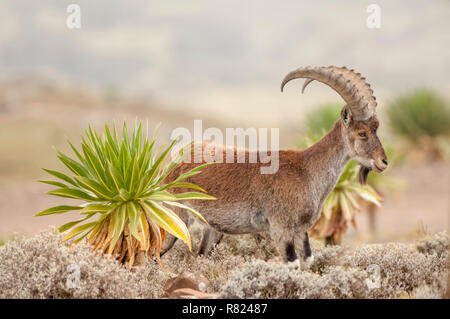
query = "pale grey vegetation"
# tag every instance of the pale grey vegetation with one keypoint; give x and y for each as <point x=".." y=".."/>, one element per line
<point x="240" y="267"/>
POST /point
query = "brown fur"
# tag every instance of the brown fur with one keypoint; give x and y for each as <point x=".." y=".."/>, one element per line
<point x="286" y="203"/>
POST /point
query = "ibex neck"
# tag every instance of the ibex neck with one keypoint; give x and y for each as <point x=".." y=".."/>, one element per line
<point x="327" y="159"/>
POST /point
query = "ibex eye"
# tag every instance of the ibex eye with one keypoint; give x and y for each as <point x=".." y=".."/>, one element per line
<point x="362" y="134"/>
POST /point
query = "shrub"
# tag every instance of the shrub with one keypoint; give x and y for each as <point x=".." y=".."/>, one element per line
<point x="327" y="256"/>
<point x="5" y="239"/>
<point x="436" y="244"/>
<point x="318" y="122"/>
<point x="402" y="268"/>
<point x="419" y="113"/>
<point x="340" y="272"/>
<point x="260" y="279"/>
<point x="38" y="267"/>
<point x="217" y="267"/>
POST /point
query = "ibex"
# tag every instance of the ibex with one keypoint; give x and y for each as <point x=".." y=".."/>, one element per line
<point x="289" y="202"/>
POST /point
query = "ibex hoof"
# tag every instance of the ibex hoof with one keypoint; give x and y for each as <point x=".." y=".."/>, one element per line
<point x="309" y="261"/>
<point x="294" y="264"/>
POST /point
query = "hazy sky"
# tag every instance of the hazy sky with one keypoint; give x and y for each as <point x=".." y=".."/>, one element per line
<point x="226" y="57"/>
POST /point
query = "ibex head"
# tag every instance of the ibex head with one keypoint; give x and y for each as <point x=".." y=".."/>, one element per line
<point x="358" y="116"/>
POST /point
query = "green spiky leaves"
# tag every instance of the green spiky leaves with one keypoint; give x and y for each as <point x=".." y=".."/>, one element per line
<point x="121" y="183"/>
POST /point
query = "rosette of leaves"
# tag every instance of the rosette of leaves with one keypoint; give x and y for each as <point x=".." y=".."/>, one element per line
<point x="126" y="205"/>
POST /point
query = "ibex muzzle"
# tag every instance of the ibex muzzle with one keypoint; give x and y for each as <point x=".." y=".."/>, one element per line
<point x="289" y="202"/>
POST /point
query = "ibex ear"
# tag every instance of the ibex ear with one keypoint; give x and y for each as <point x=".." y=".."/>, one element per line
<point x="346" y="116"/>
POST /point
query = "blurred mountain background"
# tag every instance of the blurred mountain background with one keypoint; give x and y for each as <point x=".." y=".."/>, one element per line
<point x="225" y="58"/>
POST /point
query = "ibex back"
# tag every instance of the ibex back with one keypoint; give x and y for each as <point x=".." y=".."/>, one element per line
<point x="289" y="202"/>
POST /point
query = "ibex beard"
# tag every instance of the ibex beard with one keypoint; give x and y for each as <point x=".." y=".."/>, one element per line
<point x="288" y="203"/>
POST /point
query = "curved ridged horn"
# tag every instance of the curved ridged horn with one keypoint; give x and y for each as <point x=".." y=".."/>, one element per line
<point x="353" y="88"/>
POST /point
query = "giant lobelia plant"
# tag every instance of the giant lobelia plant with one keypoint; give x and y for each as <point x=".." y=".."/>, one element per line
<point x="121" y="182"/>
